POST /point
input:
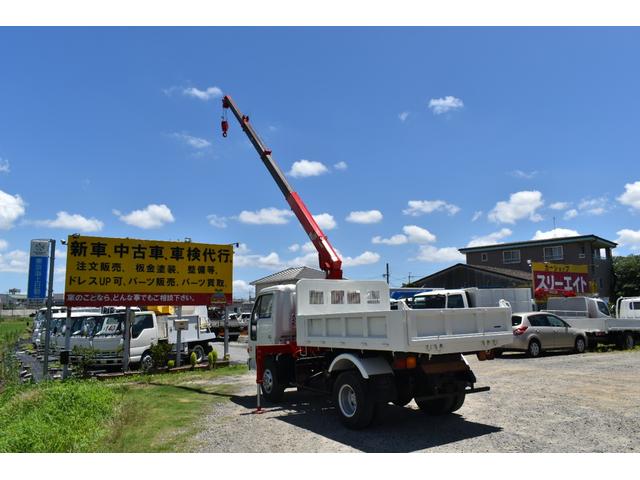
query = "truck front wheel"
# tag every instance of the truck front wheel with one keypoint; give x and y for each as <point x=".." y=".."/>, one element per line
<point x="354" y="405"/>
<point x="199" y="351"/>
<point x="272" y="388"/>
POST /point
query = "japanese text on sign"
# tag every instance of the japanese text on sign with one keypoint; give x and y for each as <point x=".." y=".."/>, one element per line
<point x="552" y="277"/>
<point x="115" y="271"/>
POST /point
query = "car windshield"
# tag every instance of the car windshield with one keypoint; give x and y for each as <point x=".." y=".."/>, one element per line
<point x="516" y="320"/>
<point x="109" y="325"/>
<point x="429" y="301"/>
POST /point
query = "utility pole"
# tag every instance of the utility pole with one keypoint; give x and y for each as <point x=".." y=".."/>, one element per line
<point x="409" y="278"/>
<point x="47" y="327"/>
<point x="386" y="275"/>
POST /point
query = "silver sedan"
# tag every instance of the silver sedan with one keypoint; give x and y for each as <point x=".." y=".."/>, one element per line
<point x="536" y="332"/>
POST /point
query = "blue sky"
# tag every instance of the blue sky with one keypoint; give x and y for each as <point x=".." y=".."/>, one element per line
<point x="488" y="132"/>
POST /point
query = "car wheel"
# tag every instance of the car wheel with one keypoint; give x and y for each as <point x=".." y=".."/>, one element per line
<point x="581" y="345"/>
<point x="199" y="351"/>
<point x="355" y="406"/>
<point x="534" y="349"/>
<point x="271" y="387"/>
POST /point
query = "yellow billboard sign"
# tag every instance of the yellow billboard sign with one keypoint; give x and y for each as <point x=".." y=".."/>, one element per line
<point x="125" y="271"/>
<point x="559" y="267"/>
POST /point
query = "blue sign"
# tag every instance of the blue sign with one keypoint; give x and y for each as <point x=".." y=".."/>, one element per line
<point x="38" y="269"/>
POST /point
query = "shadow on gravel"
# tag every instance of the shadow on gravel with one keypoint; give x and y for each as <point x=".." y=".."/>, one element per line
<point x="394" y="429"/>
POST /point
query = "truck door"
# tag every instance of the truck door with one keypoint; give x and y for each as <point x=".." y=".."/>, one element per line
<point x="261" y="327"/>
<point x="143" y="334"/>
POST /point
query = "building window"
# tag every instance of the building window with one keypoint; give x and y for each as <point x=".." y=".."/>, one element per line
<point x="484" y="257"/>
<point x="553" y="253"/>
<point x="511" y="256"/>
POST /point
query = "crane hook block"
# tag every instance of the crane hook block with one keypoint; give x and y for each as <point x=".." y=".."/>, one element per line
<point x="225" y="127"/>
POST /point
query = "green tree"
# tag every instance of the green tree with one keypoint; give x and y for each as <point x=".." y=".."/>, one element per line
<point x="627" y="274"/>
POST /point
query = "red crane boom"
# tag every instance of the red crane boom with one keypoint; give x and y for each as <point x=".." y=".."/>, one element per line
<point x="328" y="259"/>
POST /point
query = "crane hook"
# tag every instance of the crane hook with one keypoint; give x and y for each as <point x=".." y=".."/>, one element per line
<point x="225" y="128"/>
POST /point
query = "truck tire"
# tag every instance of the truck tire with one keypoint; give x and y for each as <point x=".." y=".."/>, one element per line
<point x="534" y="349"/>
<point x="200" y="353"/>
<point x="146" y="362"/>
<point x="272" y="388"/>
<point x="581" y="345"/>
<point x="351" y="398"/>
<point x="443" y="405"/>
<point x="404" y="390"/>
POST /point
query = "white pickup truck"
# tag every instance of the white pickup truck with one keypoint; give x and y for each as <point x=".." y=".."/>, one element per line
<point x="341" y="337"/>
<point x="593" y="316"/>
<point x="519" y="299"/>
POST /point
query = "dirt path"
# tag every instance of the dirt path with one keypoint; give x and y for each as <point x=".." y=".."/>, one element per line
<point x="557" y="403"/>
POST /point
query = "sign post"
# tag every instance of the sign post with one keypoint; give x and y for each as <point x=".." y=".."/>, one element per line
<point x="179" y="338"/>
<point x="67" y="344"/>
<point x="126" y="341"/>
<point x="47" y="334"/>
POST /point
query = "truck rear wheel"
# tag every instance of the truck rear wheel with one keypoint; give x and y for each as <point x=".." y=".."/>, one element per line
<point x="199" y="351"/>
<point x="354" y="405"/>
<point x="444" y="405"/>
<point x="272" y="388"/>
<point x="627" y="341"/>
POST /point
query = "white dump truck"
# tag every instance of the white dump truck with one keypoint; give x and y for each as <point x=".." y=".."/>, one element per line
<point x="341" y="337"/>
<point x="593" y="316"/>
<point x="519" y="299"/>
<point x="628" y="307"/>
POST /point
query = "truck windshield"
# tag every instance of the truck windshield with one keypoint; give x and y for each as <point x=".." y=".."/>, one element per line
<point x="516" y="320"/>
<point x="110" y="325"/>
<point x="429" y="301"/>
<point x="603" y="308"/>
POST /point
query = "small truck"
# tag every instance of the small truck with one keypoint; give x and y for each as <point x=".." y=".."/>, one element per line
<point x="519" y="299"/>
<point x="593" y="316"/>
<point x="340" y="337"/>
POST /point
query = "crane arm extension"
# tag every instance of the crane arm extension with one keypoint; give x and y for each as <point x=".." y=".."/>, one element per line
<point x="328" y="259"/>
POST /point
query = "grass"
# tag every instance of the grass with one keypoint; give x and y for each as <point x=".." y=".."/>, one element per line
<point x="143" y="413"/>
<point x="12" y="330"/>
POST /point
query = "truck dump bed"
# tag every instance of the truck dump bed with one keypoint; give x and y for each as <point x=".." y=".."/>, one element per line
<point x="356" y="315"/>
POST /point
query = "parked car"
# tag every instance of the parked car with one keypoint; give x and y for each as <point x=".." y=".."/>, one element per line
<point x="537" y="332"/>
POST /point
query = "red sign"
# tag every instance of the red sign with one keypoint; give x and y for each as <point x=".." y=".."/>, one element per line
<point x="560" y="278"/>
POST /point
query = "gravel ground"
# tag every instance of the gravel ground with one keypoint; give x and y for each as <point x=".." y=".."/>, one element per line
<point x="556" y="403"/>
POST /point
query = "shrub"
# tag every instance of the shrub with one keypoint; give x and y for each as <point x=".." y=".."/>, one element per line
<point x="160" y="354"/>
<point x="192" y="359"/>
<point x="212" y="357"/>
<point x="85" y="358"/>
<point x="171" y="363"/>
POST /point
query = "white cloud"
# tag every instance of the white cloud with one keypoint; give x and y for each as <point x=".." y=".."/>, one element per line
<point x="412" y="234"/>
<point x="523" y="174"/>
<point x="631" y="195"/>
<point x="12" y="207"/>
<point x="555" y="233"/>
<point x="3" y="244"/>
<point x="559" y="205"/>
<point x="594" y="206"/>
<point x="443" y="105"/>
<point x="398" y="239"/>
<point x="403" y="116"/>
<point x="431" y="254"/>
<point x="629" y="238"/>
<point x="293" y="248"/>
<point x="365" y="216"/>
<point x="419" y="207"/>
<point x="208" y="93"/>
<point x="365" y="258"/>
<point x="153" y="216"/>
<point x="489" y="239"/>
<point x="417" y="234"/>
<point x="242" y="289"/>
<point x="307" y="168"/>
<point x="569" y="214"/>
<point x="195" y="142"/>
<point x="520" y="205"/>
<point x="265" y="216"/>
<point x="4" y="165"/>
<point x="308" y="247"/>
<point x="217" y="221"/>
<point x="325" y="221"/>
<point x="340" y="166"/>
<point x="241" y="249"/>
<point x="15" y="261"/>
<point x="270" y="261"/>
<point x="72" y="221"/>
<point x="476" y="215"/>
